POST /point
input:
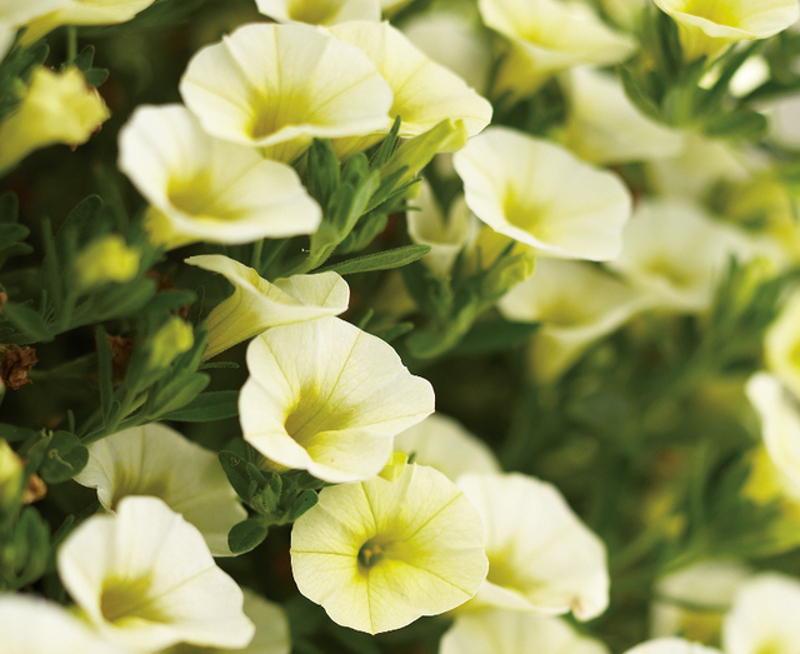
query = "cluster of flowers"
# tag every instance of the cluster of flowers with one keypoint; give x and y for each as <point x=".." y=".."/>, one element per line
<point x="416" y="517"/>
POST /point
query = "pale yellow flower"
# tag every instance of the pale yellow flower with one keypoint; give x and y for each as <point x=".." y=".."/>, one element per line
<point x="782" y="344"/>
<point x="707" y="26"/>
<point x="540" y="194"/>
<point x="276" y="87"/>
<point x="58" y="108"/>
<point x="145" y="580"/>
<point x="256" y="304"/>
<point x="671" y="646"/>
<point x="107" y="259"/>
<point x="204" y="189"/>
<point x="542" y="558"/>
<point x="11" y="478"/>
<point x="379" y="554"/>
<point x="156" y="460"/>
<point x="510" y="632"/>
<point x="326" y="397"/>
<point x="547" y="37"/>
<point x="320" y="12"/>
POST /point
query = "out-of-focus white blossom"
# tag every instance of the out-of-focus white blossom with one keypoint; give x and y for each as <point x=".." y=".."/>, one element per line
<point x="320" y="12"/>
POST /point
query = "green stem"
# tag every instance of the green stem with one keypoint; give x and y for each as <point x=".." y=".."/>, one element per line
<point x="72" y="44"/>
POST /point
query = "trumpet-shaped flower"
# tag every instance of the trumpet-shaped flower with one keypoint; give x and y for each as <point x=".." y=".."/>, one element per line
<point x="256" y="304"/>
<point x="577" y="303"/>
<point x="58" y="108"/>
<point x="425" y="93"/>
<point x="510" y="632"/>
<point x="34" y="626"/>
<point x="677" y="254"/>
<point x="444" y="444"/>
<point x="764" y="616"/>
<point x="276" y="87"/>
<point x="145" y="580"/>
<point x="326" y="397"/>
<point x="782" y="345"/>
<point x="671" y="646"/>
<point x="538" y="193"/>
<point x="204" y="189"/>
<point x="542" y="558"/>
<point x="605" y="127"/>
<point x="707" y="26"/>
<point x="379" y="554"/>
<point x="320" y="12"/>
<point x="547" y="37"/>
<point x="84" y="12"/>
<point x="156" y="460"/>
<point x="272" y="630"/>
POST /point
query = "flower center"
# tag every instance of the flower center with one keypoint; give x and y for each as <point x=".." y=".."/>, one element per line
<point x="125" y="599"/>
<point x="371" y="553"/>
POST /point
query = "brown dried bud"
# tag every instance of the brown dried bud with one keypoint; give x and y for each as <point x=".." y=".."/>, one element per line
<point x="15" y="362"/>
<point x="3" y="300"/>
<point x="35" y="491"/>
<point x="121" y="347"/>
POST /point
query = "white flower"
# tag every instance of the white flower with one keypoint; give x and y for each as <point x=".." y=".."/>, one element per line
<point x="605" y="127"/>
<point x="577" y="303"/>
<point x="320" y="12"/>
<point x="509" y="632"/>
<point x="204" y="189"/>
<point x="276" y="87"/>
<point x="379" y="554"/>
<point x="671" y="646"/>
<point x="764" y="616"/>
<point x="538" y="193"/>
<point x="144" y="578"/>
<point x="442" y="443"/>
<point x="30" y="625"/>
<point x="256" y="304"/>
<point x="542" y="558"/>
<point x="156" y="460"/>
<point x="326" y="397"/>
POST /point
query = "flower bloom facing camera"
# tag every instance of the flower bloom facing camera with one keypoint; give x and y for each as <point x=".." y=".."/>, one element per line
<point x="379" y="554"/>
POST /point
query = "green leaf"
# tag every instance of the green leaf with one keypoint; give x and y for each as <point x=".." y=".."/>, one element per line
<point x="303" y="503"/>
<point x="29" y="549"/>
<point x="65" y="457"/>
<point x="178" y="393"/>
<point x="638" y="95"/>
<point x="167" y="301"/>
<point x="206" y="407"/>
<point x="96" y="76"/>
<point x="381" y="260"/>
<point x="495" y="335"/>
<point x="83" y="224"/>
<point x="104" y="367"/>
<point x="235" y="468"/>
<point x="743" y="124"/>
<point x="247" y="535"/>
<point x="28" y="322"/>
<point x="13" y="434"/>
<point x="11" y="233"/>
<point x="9" y="208"/>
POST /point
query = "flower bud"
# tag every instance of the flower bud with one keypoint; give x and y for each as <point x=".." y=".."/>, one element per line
<point x="107" y="259"/>
<point x="174" y="338"/>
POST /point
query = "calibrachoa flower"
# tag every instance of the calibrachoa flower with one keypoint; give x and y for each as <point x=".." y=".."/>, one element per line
<point x="425" y="93"/>
<point x="542" y="558"/>
<point x="156" y="460"/>
<point x="379" y="554"/>
<point x="34" y="626"/>
<point x="547" y="37"/>
<point x="256" y="304"/>
<point x="204" y="189"/>
<point x="510" y="632"/>
<point x="444" y="444"/>
<point x="707" y="26"/>
<point x="58" y="108"/>
<point x="85" y="12"/>
<point x="671" y="646"/>
<point x="764" y="616"/>
<point x="320" y="12"/>
<point x="300" y="83"/>
<point x="326" y="397"/>
<point x="540" y="194"/>
<point x="144" y="578"/>
<point x="577" y="304"/>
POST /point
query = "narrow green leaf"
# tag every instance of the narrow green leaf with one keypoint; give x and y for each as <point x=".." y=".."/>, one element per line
<point x="104" y="359"/>
<point x="247" y="535"/>
<point x="381" y="260"/>
<point x="743" y="124"/>
<point x="303" y="503"/>
<point x="178" y="393"/>
<point x="9" y="208"/>
<point x="638" y="95"/>
<point x="13" y="434"/>
<point x="65" y="457"/>
<point x="30" y="546"/>
<point x="206" y="407"/>
<point x="28" y="322"/>
<point x="235" y="468"/>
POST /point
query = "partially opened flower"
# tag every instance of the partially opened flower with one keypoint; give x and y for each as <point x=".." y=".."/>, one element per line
<point x="256" y="304"/>
<point x="764" y="616"/>
<point x="425" y="93"/>
<point x="58" y="108"/>
<point x="671" y="646"/>
<point x="542" y="558"/>
<point x="320" y="12"/>
<point x="540" y="194"/>
<point x="444" y="444"/>
<point x="326" y="397"/>
<point x="510" y="632"/>
<point x="605" y="127"/>
<point x="379" y="554"/>
<point x="782" y="344"/>
<point x="34" y="626"/>
<point x="577" y="304"/>
<point x="204" y="189"/>
<point x="145" y="580"/>
<point x="156" y="460"/>
<point x="547" y="37"/>
<point x="707" y="26"/>
<point x="276" y="87"/>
